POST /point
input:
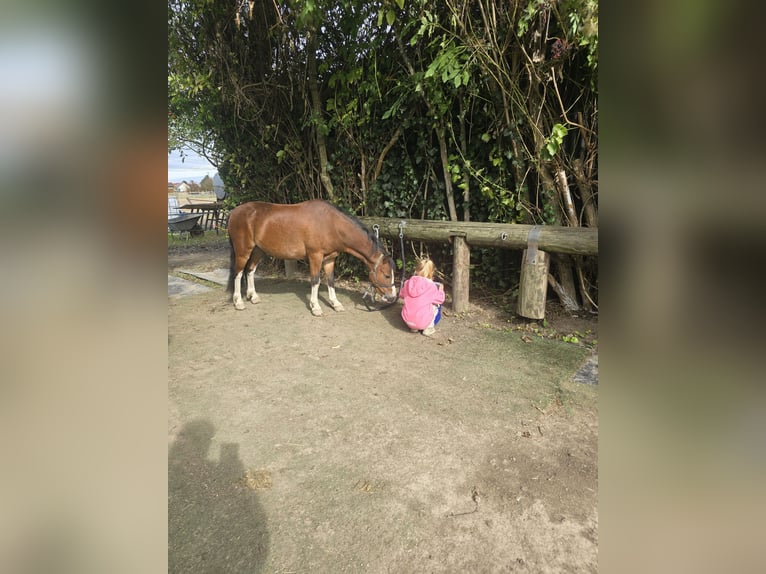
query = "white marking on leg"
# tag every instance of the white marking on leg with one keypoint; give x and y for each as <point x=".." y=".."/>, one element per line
<point x="334" y="300"/>
<point x="316" y="310"/>
<point x="237" y="298"/>
<point x="251" y="295"/>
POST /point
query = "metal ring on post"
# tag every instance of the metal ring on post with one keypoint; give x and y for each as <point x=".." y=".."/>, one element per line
<point x="503" y="236"/>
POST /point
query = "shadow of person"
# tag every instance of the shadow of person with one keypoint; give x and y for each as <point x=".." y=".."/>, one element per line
<point x="215" y="523"/>
<point x="393" y="315"/>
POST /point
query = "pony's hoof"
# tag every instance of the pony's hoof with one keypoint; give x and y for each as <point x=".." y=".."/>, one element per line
<point x="316" y="311"/>
<point x="338" y="307"/>
<point x="255" y="300"/>
<point x="239" y="305"/>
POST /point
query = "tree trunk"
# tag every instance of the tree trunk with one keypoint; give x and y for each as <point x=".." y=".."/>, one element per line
<point x="440" y="136"/>
<point x="466" y="173"/>
<point x="518" y="173"/>
<point x="566" y="300"/>
<point x="385" y="151"/>
<point x="363" y="180"/>
<point x="566" y="197"/>
<point x="565" y="288"/>
<point x="319" y="125"/>
<point x="586" y="193"/>
<point x="445" y="169"/>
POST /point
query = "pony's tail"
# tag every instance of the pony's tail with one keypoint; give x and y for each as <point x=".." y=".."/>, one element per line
<point x="232" y="258"/>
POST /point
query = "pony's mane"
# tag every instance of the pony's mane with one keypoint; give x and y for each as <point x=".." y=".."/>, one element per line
<point x="360" y="225"/>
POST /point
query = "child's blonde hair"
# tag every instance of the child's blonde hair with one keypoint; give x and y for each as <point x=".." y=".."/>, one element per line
<point x="425" y="268"/>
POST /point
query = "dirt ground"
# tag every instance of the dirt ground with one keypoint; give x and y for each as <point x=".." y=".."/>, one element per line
<point x="345" y="443"/>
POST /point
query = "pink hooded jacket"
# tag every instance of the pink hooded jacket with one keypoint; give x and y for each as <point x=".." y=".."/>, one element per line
<point x="420" y="294"/>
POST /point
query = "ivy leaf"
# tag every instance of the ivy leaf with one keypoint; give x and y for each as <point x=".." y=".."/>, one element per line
<point x="550" y="147"/>
<point x="390" y="17"/>
<point x="558" y="132"/>
<point x="400" y="3"/>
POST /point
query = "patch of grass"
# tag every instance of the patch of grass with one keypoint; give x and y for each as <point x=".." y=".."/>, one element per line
<point x="209" y="240"/>
<point x="544" y="331"/>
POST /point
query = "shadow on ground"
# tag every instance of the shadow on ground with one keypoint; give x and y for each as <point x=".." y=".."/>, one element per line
<point x="215" y="523"/>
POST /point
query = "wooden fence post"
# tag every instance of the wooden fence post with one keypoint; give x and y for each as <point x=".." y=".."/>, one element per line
<point x="533" y="284"/>
<point x="291" y="268"/>
<point x="461" y="281"/>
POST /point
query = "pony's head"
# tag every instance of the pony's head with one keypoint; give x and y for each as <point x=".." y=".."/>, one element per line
<point x="382" y="277"/>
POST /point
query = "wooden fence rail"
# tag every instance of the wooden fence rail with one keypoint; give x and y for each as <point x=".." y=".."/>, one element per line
<point x="463" y="235"/>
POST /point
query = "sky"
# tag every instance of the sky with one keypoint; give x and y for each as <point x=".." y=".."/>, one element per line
<point x="193" y="168"/>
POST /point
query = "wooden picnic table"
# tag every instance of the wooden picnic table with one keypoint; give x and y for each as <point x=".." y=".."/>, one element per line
<point x="215" y="214"/>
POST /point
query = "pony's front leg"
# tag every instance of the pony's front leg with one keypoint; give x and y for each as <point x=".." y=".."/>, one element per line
<point x="250" y="294"/>
<point x="315" y="268"/>
<point x="316" y="310"/>
<point x="329" y="271"/>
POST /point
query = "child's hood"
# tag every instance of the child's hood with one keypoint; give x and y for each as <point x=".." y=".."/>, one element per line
<point x="417" y="285"/>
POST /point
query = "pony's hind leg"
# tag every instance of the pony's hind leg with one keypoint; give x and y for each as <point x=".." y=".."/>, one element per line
<point x="252" y="265"/>
<point x="237" y="296"/>
<point x="238" y="262"/>
<point x="244" y="264"/>
<point x="329" y="271"/>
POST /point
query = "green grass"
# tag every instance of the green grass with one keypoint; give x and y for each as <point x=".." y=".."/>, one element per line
<point x="208" y="240"/>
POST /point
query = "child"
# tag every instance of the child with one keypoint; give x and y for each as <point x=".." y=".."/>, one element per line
<point x="422" y="299"/>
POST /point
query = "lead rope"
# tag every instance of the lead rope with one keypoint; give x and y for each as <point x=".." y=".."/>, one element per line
<point x="370" y="293"/>
<point x="401" y="246"/>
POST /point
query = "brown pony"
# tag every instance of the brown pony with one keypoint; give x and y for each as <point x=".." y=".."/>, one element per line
<point x="313" y="230"/>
